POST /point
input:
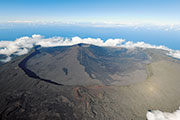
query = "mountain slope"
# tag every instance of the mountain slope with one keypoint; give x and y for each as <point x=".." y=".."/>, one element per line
<point x="88" y="82"/>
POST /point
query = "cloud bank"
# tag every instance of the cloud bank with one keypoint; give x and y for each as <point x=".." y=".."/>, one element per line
<point x="158" y="115"/>
<point x="23" y="45"/>
<point x="102" y="24"/>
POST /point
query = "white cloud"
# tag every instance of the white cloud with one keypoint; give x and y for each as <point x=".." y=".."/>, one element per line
<point x="174" y="53"/>
<point x="102" y="24"/>
<point x="170" y="52"/>
<point x="7" y="59"/>
<point x="158" y="115"/>
<point x="22" y="45"/>
<point x="20" y="21"/>
<point x="131" y="44"/>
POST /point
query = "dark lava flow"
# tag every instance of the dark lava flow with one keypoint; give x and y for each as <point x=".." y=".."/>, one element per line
<point x="30" y="73"/>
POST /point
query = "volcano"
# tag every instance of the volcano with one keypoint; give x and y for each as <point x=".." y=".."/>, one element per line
<point x="88" y="82"/>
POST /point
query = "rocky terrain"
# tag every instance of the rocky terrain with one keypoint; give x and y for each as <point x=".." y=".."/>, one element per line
<point x="87" y="82"/>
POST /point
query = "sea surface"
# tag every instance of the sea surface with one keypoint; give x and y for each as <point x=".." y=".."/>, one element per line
<point x="169" y="38"/>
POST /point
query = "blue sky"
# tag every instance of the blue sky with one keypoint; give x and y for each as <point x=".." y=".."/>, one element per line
<point x="116" y="11"/>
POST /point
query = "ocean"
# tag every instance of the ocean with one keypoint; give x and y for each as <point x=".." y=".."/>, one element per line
<point x="169" y="38"/>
